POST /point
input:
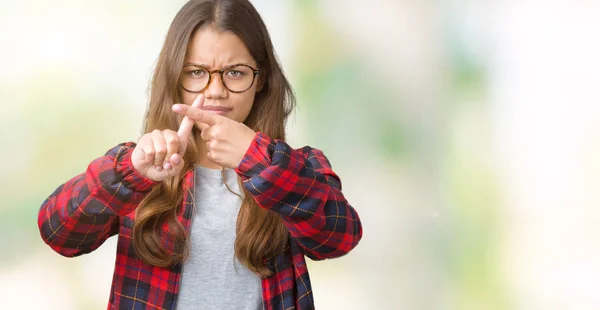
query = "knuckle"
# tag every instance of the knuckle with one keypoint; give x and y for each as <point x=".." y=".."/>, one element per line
<point x="171" y="140"/>
<point x="144" y="139"/>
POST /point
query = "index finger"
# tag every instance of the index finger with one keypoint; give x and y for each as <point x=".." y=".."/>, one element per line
<point x="196" y="114"/>
<point x="186" y="126"/>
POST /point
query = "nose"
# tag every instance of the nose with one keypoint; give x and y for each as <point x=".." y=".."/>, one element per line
<point x="215" y="88"/>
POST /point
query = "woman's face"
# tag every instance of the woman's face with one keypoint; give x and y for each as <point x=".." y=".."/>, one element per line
<point x="216" y="50"/>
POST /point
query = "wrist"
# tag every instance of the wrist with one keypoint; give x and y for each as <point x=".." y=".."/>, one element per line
<point x="134" y="178"/>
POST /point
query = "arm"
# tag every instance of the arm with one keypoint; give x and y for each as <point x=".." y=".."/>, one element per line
<point x="300" y="185"/>
<point x="82" y="213"/>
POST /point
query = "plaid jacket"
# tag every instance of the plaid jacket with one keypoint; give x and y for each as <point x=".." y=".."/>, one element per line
<point x="298" y="184"/>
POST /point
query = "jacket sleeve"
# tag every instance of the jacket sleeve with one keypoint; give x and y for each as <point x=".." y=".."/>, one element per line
<point x="82" y="213"/>
<point x="300" y="185"/>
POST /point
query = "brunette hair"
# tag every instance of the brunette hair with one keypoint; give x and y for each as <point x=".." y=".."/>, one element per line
<point x="260" y="233"/>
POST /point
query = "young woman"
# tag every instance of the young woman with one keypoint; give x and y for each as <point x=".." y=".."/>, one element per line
<point x="213" y="210"/>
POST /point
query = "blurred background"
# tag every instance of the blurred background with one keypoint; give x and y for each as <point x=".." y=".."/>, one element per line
<point x="466" y="134"/>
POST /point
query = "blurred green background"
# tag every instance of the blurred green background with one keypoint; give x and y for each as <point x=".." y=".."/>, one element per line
<point x="466" y="134"/>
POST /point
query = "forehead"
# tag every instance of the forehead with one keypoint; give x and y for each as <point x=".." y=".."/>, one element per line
<point x="217" y="49"/>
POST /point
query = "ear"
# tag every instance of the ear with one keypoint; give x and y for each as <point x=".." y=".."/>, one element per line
<point x="260" y="83"/>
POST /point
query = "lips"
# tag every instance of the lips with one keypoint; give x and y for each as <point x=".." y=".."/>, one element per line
<point x="215" y="108"/>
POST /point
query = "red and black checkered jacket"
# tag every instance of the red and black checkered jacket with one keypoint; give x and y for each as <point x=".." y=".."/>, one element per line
<point x="298" y="184"/>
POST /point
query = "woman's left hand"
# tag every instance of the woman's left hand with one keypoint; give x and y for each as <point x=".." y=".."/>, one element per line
<point x="226" y="140"/>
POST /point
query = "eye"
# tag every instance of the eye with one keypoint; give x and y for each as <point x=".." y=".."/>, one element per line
<point x="235" y="73"/>
<point x="197" y="73"/>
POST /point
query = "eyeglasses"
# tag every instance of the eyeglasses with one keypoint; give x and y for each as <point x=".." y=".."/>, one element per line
<point x="236" y="78"/>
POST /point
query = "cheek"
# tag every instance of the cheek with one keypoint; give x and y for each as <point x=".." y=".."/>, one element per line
<point x="188" y="98"/>
<point x="243" y="107"/>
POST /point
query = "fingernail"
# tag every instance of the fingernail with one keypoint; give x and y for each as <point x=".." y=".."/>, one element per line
<point x="167" y="166"/>
<point x="158" y="168"/>
<point x="176" y="160"/>
<point x="177" y="108"/>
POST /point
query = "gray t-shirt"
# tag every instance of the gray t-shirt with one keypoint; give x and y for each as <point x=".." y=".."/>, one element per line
<point x="212" y="278"/>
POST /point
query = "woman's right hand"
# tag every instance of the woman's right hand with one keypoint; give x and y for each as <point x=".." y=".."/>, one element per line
<point x="159" y="154"/>
<point x="156" y="155"/>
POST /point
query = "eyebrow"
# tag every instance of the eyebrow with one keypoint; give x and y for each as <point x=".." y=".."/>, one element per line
<point x="191" y="64"/>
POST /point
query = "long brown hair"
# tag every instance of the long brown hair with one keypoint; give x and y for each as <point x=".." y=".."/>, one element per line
<point x="260" y="234"/>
